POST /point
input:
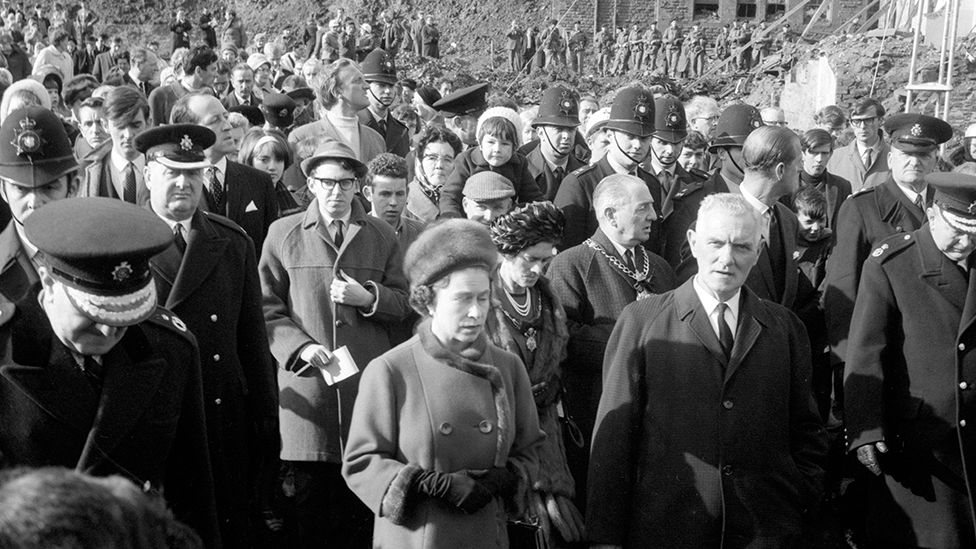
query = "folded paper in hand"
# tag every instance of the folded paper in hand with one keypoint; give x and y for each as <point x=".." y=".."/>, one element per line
<point x="343" y="367"/>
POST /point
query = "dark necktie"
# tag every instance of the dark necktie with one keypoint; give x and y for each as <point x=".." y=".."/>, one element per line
<point x="867" y="159"/>
<point x="339" y="237"/>
<point x="216" y="191"/>
<point x="129" y="184"/>
<point x="179" y="239"/>
<point x="629" y="259"/>
<point x="920" y="203"/>
<point x="558" y="174"/>
<point x="92" y="369"/>
<point x="382" y="125"/>
<point x="724" y="331"/>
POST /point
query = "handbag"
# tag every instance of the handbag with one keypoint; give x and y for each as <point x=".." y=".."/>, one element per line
<point x="526" y="535"/>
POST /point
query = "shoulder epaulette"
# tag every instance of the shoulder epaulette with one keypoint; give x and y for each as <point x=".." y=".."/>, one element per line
<point x="580" y="171"/>
<point x="862" y="190"/>
<point x="701" y="174"/>
<point x="890" y="247"/>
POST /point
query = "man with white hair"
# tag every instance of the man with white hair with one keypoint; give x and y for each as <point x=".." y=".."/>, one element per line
<point x="707" y="433"/>
<point x="773" y="116"/>
<point x="703" y="114"/>
<point x="594" y="281"/>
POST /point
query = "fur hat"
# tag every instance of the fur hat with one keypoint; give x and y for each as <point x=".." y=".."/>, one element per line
<point x="447" y="247"/>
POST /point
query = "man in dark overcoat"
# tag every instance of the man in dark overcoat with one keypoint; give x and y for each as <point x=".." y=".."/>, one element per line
<point x="594" y="281"/>
<point x="95" y="376"/>
<point x="910" y="376"/>
<point x="554" y="154"/>
<point x="209" y="277"/>
<point x="707" y="434"/>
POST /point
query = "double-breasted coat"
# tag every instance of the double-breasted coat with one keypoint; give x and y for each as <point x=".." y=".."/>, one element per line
<point x="910" y="378"/>
<point x="693" y="449"/>
<point x="143" y="419"/>
<point x="214" y="289"/>
<point x="297" y="266"/>
<point x="865" y="219"/>
<point x="423" y="407"/>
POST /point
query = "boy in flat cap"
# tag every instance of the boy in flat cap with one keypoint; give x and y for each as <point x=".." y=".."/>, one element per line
<point x="911" y="369"/>
<point x="96" y="376"/>
<point x="896" y="206"/>
<point x="37" y="167"/>
<point x="209" y="277"/>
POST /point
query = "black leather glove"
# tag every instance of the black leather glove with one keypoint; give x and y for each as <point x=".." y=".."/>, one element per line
<point x="500" y="481"/>
<point x="458" y="489"/>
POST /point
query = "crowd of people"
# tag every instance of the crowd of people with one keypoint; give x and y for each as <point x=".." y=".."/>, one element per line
<point x="270" y="293"/>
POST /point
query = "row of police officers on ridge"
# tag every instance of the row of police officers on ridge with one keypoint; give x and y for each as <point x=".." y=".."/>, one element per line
<point x="97" y="376"/>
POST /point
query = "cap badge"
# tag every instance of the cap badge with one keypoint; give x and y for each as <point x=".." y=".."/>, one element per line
<point x="673" y="119"/>
<point x="186" y="143"/>
<point x="283" y="113"/>
<point x="122" y="271"/>
<point x="641" y="108"/>
<point x="27" y="139"/>
<point x="916" y="130"/>
<point x="388" y="65"/>
<point x="566" y="104"/>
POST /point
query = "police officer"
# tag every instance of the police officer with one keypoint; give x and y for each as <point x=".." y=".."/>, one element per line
<point x="556" y="151"/>
<point x="96" y="377"/>
<point x="461" y="110"/>
<point x="629" y="131"/>
<point x="911" y="371"/>
<point x="209" y="277"/>
<point x="896" y="206"/>
<point x="380" y="74"/>
<point x="37" y="166"/>
<point x="734" y="126"/>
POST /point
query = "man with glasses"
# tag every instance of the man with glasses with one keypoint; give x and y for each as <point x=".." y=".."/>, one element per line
<point x="865" y="161"/>
<point x="347" y="291"/>
<point x="773" y="116"/>
<point x="896" y="206"/>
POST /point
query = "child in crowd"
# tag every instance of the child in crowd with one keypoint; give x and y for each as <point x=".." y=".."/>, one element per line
<point x="268" y="151"/>
<point x="495" y="152"/>
<point x="815" y="239"/>
<point x="692" y="157"/>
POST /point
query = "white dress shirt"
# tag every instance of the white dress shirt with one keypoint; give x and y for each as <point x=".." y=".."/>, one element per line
<point x="710" y="303"/>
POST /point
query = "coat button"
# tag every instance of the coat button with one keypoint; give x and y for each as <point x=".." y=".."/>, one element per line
<point x="728" y="404"/>
<point x="339" y="323"/>
<point x="213" y="318"/>
<point x="962" y="347"/>
<point x="962" y="422"/>
<point x="727" y="470"/>
<point x="217" y="401"/>
<point x="485" y="426"/>
<point x="216" y="358"/>
<point x="446" y="428"/>
<point x="963" y="385"/>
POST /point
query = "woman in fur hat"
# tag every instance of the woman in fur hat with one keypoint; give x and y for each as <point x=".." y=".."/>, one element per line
<point x="527" y="319"/>
<point x="444" y="434"/>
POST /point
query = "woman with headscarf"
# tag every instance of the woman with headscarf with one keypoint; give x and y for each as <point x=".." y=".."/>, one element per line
<point x="434" y="161"/>
<point x="444" y="431"/>
<point x="527" y="319"/>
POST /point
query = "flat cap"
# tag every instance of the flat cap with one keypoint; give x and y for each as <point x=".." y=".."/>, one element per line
<point x="488" y="185"/>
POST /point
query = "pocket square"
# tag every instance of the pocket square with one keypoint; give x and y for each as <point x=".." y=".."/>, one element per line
<point x="250" y="207"/>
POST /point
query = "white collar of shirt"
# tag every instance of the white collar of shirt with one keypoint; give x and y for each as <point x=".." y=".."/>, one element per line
<point x="344" y="220"/>
<point x="710" y="303"/>
<point x="172" y="224"/>
<point x="119" y="162"/>
<point x="376" y="115"/>
<point x="762" y="209"/>
<point x="28" y="246"/>
<point x="912" y="195"/>
<point x="621" y="249"/>
<point x="221" y="166"/>
<point x="658" y="167"/>
<point x="875" y="149"/>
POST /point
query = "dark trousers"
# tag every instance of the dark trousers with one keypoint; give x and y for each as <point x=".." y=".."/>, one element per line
<point x="327" y="513"/>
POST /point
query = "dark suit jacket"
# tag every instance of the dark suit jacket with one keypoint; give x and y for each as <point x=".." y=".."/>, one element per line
<point x="685" y="203"/>
<point x="865" y="219"/>
<point x="575" y="199"/>
<point x="230" y="100"/>
<point x="104" y="63"/>
<point x="250" y="198"/>
<point x="690" y="446"/>
<point x="144" y="420"/>
<point x="593" y="293"/>
<point x="17" y="274"/>
<point x="541" y="171"/>
<point x="909" y="378"/>
<point x="84" y="61"/>
<point x="215" y="290"/>
<point x="397" y="137"/>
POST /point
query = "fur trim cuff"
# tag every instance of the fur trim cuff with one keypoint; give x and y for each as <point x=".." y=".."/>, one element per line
<point x="399" y="498"/>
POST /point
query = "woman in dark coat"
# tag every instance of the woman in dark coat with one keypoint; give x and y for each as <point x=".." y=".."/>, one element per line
<point x="444" y="433"/>
<point x="528" y="320"/>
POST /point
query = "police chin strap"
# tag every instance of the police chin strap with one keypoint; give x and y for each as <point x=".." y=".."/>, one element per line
<point x="555" y="151"/>
<point x="734" y="163"/>
<point x="625" y="153"/>
<point x="378" y="100"/>
<point x="661" y="162"/>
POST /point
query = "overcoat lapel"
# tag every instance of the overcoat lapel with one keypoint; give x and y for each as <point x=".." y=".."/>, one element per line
<point x="690" y="311"/>
<point x="940" y="273"/>
<point x="204" y="248"/>
<point x="751" y="323"/>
